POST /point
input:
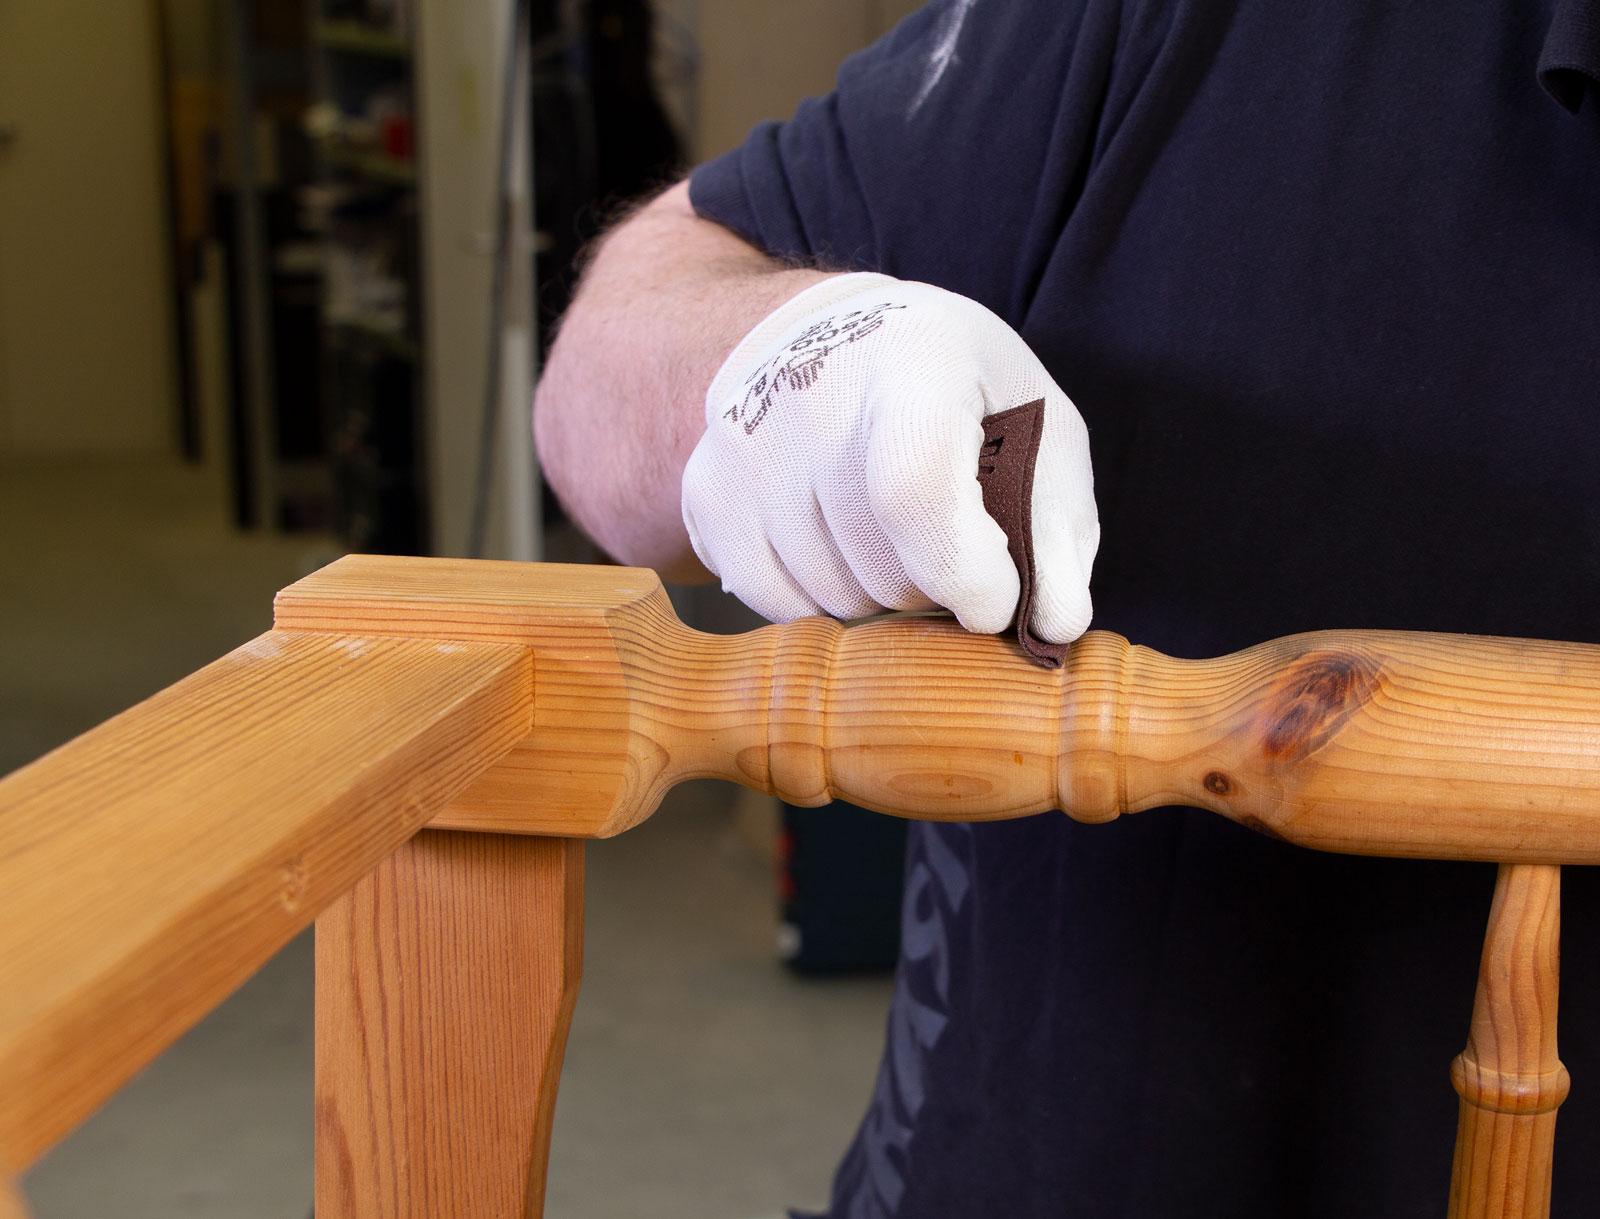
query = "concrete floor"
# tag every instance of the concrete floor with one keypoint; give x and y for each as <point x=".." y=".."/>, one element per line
<point x="701" y="1079"/>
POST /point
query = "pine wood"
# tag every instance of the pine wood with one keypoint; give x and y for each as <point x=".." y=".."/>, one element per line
<point x="445" y="986"/>
<point x="591" y="766"/>
<point x="151" y="865"/>
<point x="148" y="867"/>
<point x="1372" y="742"/>
<point x="1509" y="1077"/>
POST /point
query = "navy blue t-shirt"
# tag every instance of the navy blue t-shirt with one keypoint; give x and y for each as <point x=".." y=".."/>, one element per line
<point x="1324" y="280"/>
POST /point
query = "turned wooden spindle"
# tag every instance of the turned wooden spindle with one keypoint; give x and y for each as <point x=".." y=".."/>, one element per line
<point x="1509" y="1078"/>
<point x="1372" y="742"/>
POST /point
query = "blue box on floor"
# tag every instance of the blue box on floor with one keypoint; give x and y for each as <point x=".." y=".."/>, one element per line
<point x="840" y="878"/>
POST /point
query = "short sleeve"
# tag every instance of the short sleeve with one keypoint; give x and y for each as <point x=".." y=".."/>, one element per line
<point x="946" y="152"/>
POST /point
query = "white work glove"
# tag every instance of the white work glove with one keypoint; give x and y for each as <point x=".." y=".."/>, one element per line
<point x="838" y="471"/>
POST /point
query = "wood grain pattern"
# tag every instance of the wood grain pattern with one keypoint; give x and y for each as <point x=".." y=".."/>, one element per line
<point x="591" y="766"/>
<point x="1371" y="742"/>
<point x="1509" y="1077"/>
<point x="445" y="986"/>
<point x="150" y="866"/>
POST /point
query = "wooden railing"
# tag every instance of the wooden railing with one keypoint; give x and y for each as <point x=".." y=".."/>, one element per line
<point x="148" y="867"/>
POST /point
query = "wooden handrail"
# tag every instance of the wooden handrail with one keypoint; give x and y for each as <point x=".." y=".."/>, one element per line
<point x="150" y="866"/>
<point x="1371" y="742"/>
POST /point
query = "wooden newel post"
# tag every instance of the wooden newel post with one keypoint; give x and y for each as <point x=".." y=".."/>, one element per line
<point x="445" y="987"/>
<point x="1509" y="1078"/>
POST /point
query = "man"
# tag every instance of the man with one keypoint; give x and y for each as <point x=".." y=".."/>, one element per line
<point x="1322" y="280"/>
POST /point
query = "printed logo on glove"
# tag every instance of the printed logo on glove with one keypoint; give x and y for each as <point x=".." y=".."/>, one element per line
<point x="838" y="470"/>
<point x="798" y="365"/>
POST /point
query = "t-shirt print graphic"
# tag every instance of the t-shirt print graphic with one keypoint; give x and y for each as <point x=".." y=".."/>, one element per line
<point x="871" y="1182"/>
<point x="798" y="365"/>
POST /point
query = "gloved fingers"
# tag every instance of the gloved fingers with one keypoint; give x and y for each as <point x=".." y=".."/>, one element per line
<point x="863" y="545"/>
<point x="806" y="547"/>
<point x="922" y="484"/>
<point x="733" y="546"/>
<point x="750" y="569"/>
<point x="1066" y="524"/>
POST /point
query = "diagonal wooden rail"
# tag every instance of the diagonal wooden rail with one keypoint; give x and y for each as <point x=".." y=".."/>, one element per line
<point x="148" y="867"/>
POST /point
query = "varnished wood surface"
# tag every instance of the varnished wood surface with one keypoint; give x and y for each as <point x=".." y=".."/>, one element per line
<point x="148" y="867"/>
<point x="591" y="766"/>
<point x="151" y="865"/>
<point x="445" y="986"/>
<point x="1372" y="742"/>
<point x="1510" y="1078"/>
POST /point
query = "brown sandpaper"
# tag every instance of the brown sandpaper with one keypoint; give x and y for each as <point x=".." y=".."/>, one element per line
<point x="1005" y="472"/>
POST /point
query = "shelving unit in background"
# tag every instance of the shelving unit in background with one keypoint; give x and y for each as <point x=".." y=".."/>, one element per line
<point x="365" y="205"/>
<point x="407" y="231"/>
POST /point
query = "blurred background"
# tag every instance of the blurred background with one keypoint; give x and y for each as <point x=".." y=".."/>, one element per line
<point x="275" y="280"/>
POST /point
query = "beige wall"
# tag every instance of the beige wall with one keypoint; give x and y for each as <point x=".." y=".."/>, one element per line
<point x="86" y="351"/>
<point x="758" y="58"/>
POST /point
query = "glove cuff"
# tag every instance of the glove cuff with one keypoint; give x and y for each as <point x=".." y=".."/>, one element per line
<point x="809" y="300"/>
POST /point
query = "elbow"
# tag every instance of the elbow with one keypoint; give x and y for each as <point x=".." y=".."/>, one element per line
<point x="627" y="507"/>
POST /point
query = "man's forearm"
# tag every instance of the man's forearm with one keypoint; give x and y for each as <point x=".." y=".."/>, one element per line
<point x="621" y="401"/>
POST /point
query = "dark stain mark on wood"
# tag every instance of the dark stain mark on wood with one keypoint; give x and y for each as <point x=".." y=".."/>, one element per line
<point x="1261" y="827"/>
<point x="1312" y="701"/>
